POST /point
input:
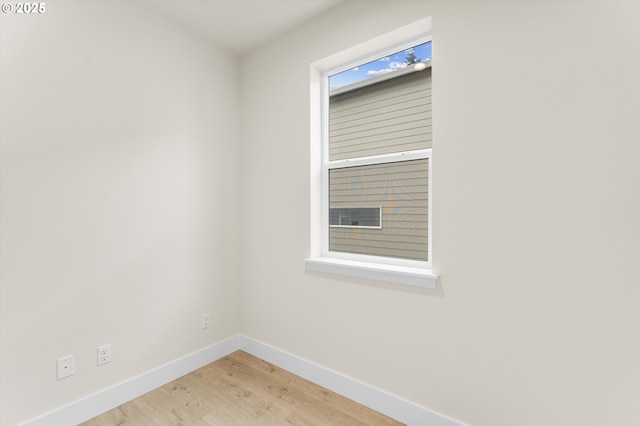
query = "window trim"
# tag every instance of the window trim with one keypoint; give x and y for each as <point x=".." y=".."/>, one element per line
<point x="406" y="275"/>
<point x="394" y="270"/>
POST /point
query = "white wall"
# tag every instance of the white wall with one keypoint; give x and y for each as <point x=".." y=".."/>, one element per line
<point x="536" y="177"/>
<point x="121" y="223"/>
<point x="119" y="194"/>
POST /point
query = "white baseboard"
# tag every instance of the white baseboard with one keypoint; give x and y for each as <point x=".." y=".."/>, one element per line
<point x="116" y="395"/>
<point x="369" y="396"/>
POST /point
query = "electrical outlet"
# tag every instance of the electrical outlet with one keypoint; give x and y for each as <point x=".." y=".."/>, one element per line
<point x="104" y="354"/>
<point x="204" y="320"/>
<point x="65" y="367"/>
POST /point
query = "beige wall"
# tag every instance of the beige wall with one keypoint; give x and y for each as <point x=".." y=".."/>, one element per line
<point x="119" y="198"/>
<point x="536" y="177"/>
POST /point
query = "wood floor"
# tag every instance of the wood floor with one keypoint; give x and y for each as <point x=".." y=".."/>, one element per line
<point x="241" y="389"/>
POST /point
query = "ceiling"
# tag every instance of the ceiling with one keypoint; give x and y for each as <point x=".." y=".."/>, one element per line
<point x="240" y="25"/>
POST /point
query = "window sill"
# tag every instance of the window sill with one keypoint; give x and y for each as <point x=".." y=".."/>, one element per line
<point x="417" y="277"/>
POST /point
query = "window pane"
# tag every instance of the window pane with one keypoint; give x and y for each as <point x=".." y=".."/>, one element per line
<point x="401" y="190"/>
<point x="389" y="112"/>
<point x="381" y="66"/>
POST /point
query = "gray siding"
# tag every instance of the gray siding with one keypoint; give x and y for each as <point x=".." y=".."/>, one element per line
<point x="401" y="189"/>
<point x="390" y="116"/>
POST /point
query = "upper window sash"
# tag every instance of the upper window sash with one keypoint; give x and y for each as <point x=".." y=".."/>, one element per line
<point x="326" y="92"/>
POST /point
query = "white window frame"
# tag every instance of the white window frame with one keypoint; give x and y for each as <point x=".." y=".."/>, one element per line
<point x="400" y="271"/>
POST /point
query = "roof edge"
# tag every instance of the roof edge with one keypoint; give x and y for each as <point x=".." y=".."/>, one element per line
<point x="387" y="76"/>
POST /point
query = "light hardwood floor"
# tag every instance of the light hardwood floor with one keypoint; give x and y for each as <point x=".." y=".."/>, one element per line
<point x="241" y="389"/>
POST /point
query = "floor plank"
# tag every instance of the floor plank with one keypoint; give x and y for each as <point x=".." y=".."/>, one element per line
<point x="240" y="389"/>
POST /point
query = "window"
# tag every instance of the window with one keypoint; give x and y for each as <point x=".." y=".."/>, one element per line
<point x="375" y="165"/>
<point x="355" y="217"/>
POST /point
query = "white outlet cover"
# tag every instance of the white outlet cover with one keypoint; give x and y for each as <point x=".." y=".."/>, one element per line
<point x="104" y="354"/>
<point x="205" y="320"/>
<point x="65" y="367"/>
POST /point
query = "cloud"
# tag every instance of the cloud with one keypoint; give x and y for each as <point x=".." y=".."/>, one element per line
<point x="376" y="72"/>
<point x="385" y="59"/>
<point x="391" y="67"/>
<point x="397" y="65"/>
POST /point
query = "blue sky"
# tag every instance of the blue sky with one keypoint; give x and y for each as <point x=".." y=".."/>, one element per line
<point x="379" y="66"/>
